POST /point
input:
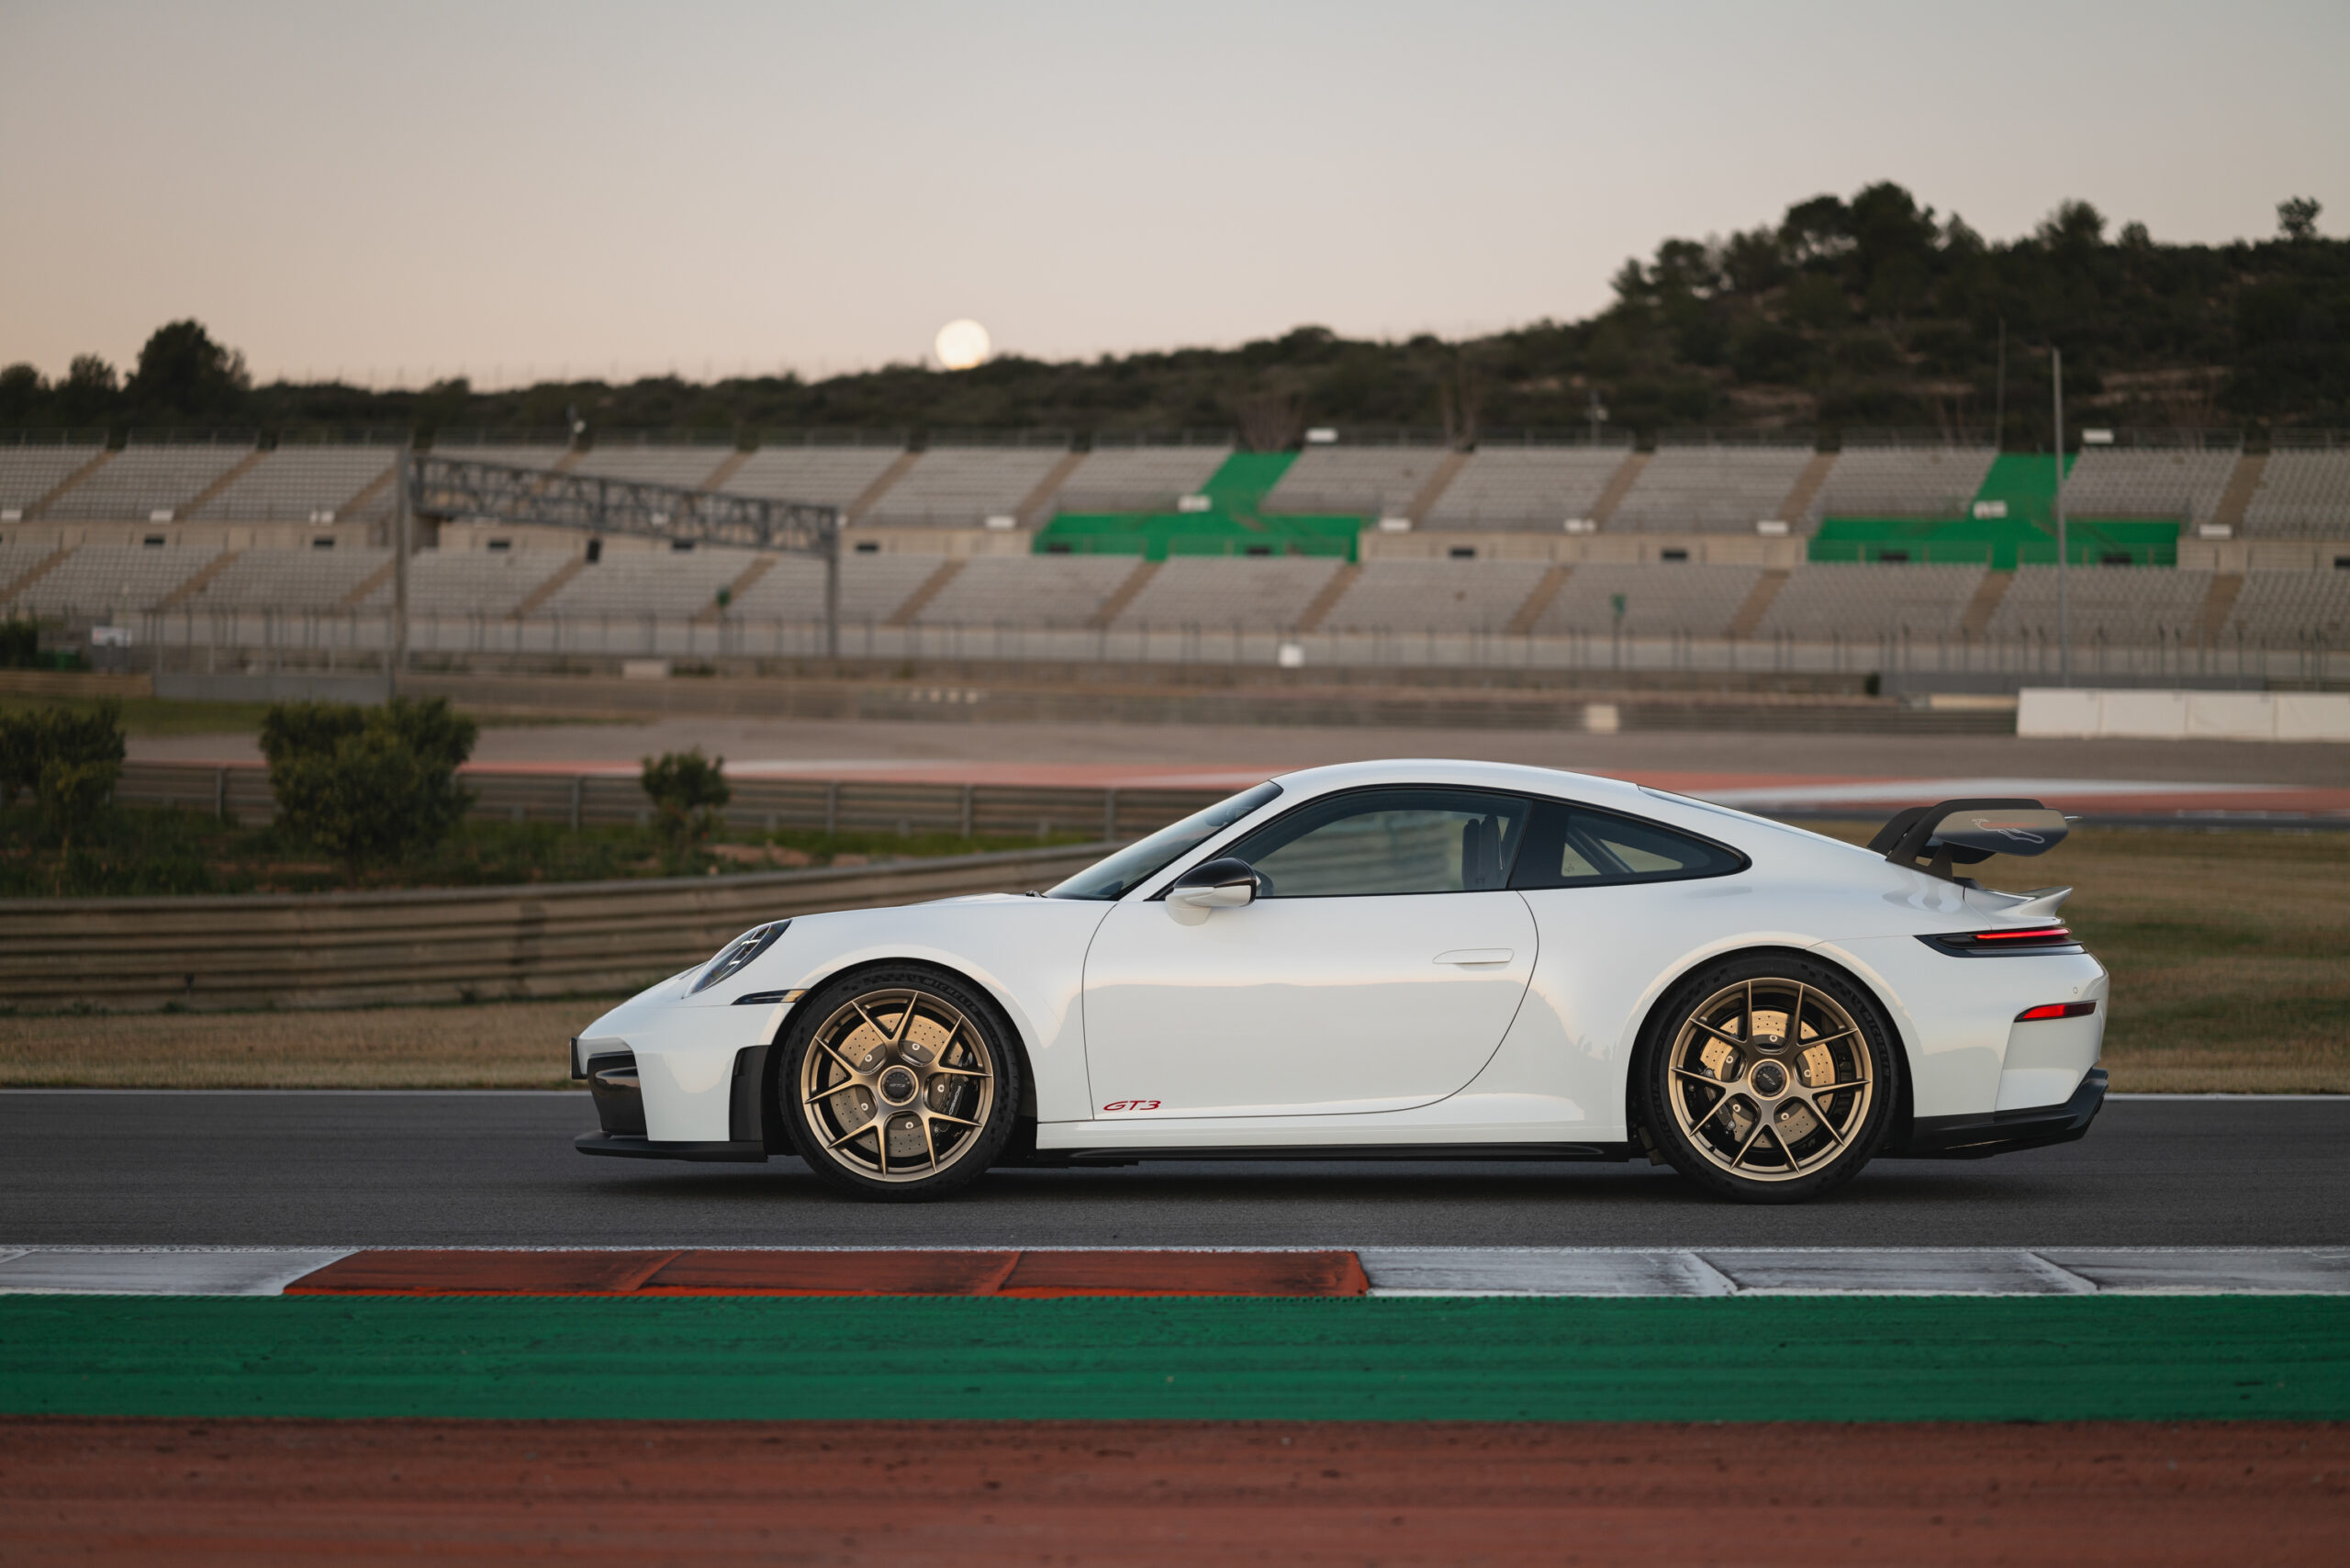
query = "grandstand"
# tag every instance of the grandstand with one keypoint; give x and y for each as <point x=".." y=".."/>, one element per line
<point x="1222" y="591"/>
<point x="302" y="484"/>
<point x="825" y="475"/>
<point x="1527" y="488"/>
<point x="1434" y="595"/>
<point x="2115" y="604"/>
<point x="675" y="585"/>
<point x="150" y="482"/>
<point x="288" y="579"/>
<point x="1709" y="490"/>
<point x="1356" y="481"/>
<point x="106" y="580"/>
<point x="963" y="487"/>
<point x="2301" y="495"/>
<point x="2107" y="481"/>
<point x="1139" y="478"/>
<point x="689" y="467"/>
<point x="28" y="473"/>
<point x="1871" y="602"/>
<point x="2284" y="605"/>
<point x="1901" y="481"/>
<point x="471" y="582"/>
<point x="1027" y="590"/>
<point x="1663" y="601"/>
<point x="872" y="587"/>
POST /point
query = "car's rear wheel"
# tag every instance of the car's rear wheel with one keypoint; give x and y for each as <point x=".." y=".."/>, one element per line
<point x="899" y="1084"/>
<point x="1768" y="1079"/>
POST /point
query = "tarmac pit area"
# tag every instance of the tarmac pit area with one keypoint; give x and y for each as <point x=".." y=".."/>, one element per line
<point x="1152" y="1492"/>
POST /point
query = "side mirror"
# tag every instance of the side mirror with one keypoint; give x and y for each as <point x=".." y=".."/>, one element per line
<point x="1225" y="883"/>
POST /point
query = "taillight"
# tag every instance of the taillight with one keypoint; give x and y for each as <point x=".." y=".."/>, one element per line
<point x="2019" y="940"/>
<point x="2056" y="1010"/>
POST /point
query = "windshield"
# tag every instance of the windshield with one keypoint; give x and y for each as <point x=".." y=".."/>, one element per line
<point x="1120" y="874"/>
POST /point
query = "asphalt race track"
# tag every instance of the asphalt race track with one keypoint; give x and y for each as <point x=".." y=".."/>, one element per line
<point x="376" y="1167"/>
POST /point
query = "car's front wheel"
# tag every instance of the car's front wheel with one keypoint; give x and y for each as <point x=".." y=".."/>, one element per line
<point x="898" y="1084"/>
<point x="1768" y="1079"/>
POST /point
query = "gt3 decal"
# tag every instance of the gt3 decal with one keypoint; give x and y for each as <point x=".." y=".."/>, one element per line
<point x="1132" y="1105"/>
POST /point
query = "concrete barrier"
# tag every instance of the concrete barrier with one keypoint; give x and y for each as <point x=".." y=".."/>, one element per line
<point x="2079" y="712"/>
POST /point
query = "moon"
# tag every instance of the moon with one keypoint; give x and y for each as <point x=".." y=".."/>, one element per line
<point x="962" y="344"/>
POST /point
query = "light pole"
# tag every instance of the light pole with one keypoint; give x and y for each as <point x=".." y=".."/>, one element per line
<point x="402" y="525"/>
<point x="2063" y="599"/>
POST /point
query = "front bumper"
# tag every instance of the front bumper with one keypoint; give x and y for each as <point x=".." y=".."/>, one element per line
<point x="2004" y="1132"/>
<point x="618" y="1091"/>
<point x="635" y="1146"/>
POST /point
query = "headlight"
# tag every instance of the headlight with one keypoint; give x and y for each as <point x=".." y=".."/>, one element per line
<point x="736" y="956"/>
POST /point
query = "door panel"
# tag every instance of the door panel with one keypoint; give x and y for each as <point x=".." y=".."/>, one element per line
<point x="1304" y="1005"/>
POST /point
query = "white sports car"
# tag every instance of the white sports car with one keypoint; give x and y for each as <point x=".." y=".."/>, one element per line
<point x="1399" y="959"/>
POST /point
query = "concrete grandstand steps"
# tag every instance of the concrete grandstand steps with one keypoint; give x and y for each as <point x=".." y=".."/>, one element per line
<point x="1125" y="595"/>
<point x="1767" y="589"/>
<point x="726" y="470"/>
<point x="1035" y="504"/>
<point x="1545" y="589"/>
<point x="195" y="503"/>
<point x="1985" y="603"/>
<point x="66" y="486"/>
<point x="874" y="493"/>
<point x="1319" y="607"/>
<point x="743" y="581"/>
<point x="931" y="587"/>
<point x="202" y="580"/>
<point x="2241" y="484"/>
<point x="40" y="569"/>
<point x="1420" y="505"/>
<point x="1854" y="601"/>
<point x="2219" y="603"/>
<point x="530" y="603"/>
<point x="1618" y="487"/>
<point x="367" y="493"/>
<point x="1806" y="490"/>
<point x="1249" y="592"/>
<point x="368" y="585"/>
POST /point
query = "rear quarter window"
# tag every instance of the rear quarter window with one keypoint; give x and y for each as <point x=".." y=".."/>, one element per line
<point x="1573" y="847"/>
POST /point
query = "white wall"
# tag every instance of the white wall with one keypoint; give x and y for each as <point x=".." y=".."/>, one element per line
<point x="2051" y="712"/>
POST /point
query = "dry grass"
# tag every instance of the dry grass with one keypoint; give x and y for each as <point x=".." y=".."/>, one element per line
<point x="2230" y="952"/>
<point x="499" y="1045"/>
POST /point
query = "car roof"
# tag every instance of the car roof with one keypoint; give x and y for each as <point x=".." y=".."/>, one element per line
<point x="1552" y="781"/>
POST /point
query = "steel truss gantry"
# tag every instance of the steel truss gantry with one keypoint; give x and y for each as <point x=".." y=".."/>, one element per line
<point x="461" y="489"/>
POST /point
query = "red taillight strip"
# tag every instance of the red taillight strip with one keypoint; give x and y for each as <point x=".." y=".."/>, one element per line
<point x="2039" y="933"/>
<point x="2056" y="1010"/>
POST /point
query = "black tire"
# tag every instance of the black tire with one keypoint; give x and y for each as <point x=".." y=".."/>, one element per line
<point x="1750" y="1115"/>
<point x="899" y="1085"/>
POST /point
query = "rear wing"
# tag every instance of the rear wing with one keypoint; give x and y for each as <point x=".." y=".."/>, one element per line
<point x="1962" y="833"/>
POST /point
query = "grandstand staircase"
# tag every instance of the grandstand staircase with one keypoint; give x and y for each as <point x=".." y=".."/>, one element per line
<point x="369" y="490"/>
<point x="1619" y="486"/>
<point x="548" y="590"/>
<point x="1805" y="491"/>
<point x="1985" y="603"/>
<point x="200" y="581"/>
<point x="197" y="502"/>
<point x="2219" y="599"/>
<point x="2241" y="484"/>
<point x="1317" y="608"/>
<point x="1125" y="594"/>
<point x="870" y="497"/>
<point x="1031" y="509"/>
<point x="712" y="613"/>
<point x="1545" y="589"/>
<point x="725" y="471"/>
<point x="931" y="587"/>
<point x="367" y="585"/>
<point x="47" y="564"/>
<point x="1759" y="599"/>
<point x="1433" y="491"/>
<point x="63" y="485"/>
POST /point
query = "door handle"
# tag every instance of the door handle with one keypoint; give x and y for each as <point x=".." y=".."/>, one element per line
<point x="1476" y="956"/>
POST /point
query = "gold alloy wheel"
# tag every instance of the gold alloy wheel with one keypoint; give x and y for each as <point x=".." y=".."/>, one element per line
<point x="1771" y="1079"/>
<point x="898" y="1084"/>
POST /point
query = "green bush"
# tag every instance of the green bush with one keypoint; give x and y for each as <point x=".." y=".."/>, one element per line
<point x="686" y="789"/>
<point x="19" y="644"/>
<point x="67" y="760"/>
<point x="370" y="786"/>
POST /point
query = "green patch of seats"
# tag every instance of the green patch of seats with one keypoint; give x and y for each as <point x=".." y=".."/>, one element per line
<point x="2020" y="495"/>
<point x="1234" y="523"/>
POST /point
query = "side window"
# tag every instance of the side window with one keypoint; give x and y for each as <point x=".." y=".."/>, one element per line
<point x="1389" y="841"/>
<point x="1570" y="846"/>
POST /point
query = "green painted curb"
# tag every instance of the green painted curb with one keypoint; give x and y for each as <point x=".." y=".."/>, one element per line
<point x="1395" y="1359"/>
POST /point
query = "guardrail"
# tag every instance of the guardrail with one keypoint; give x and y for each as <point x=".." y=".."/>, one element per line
<point x="444" y="944"/>
<point x="580" y="799"/>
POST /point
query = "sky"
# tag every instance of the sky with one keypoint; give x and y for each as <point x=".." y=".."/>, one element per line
<point x="513" y="190"/>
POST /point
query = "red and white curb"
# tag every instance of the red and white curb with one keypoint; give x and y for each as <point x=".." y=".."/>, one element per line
<point x="1419" y="1271"/>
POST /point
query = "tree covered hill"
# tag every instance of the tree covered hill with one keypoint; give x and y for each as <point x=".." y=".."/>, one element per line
<point x="1871" y="311"/>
